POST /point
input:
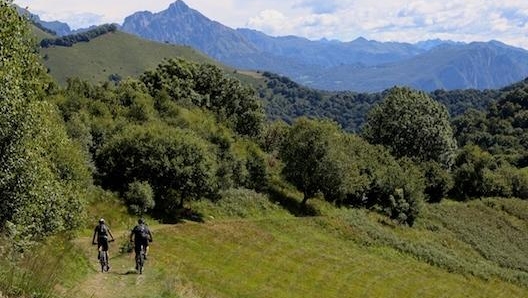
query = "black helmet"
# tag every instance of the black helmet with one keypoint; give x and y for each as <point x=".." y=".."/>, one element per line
<point x="140" y="221"/>
<point x="101" y="220"/>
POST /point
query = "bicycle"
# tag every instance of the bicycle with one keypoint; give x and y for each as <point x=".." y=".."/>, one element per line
<point x="140" y="259"/>
<point x="103" y="259"/>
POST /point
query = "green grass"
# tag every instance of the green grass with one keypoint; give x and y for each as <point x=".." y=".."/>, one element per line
<point x="123" y="54"/>
<point x="113" y="53"/>
<point x="342" y="253"/>
<point x="249" y="247"/>
<point x="282" y="258"/>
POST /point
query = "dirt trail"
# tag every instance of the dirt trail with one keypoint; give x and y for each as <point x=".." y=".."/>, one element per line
<point x="122" y="279"/>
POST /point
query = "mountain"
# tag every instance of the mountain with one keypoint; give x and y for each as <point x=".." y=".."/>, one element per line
<point x="360" y="65"/>
<point x="58" y="28"/>
<point x="478" y="65"/>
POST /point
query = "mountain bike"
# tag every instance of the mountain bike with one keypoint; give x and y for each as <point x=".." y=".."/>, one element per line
<point x="140" y="259"/>
<point x="103" y="260"/>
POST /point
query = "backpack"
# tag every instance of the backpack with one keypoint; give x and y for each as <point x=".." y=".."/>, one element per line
<point x="142" y="231"/>
<point x="102" y="231"/>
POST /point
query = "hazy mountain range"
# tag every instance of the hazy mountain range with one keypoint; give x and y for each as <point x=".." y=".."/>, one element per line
<point x="359" y="65"/>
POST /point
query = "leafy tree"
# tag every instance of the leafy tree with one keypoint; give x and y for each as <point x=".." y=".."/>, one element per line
<point x="410" y="124"/>
<point x="176" y="163"/>
<point x="469" y="172"/>
<point x="273" y="135"/>
<point x="206" y="86"/>
<point x="384" y="184"/>
<point x="310" y="158"/>
<point x="438" y="181"/>
<point x="43" y="174"/>
<point x="139" y="197"/>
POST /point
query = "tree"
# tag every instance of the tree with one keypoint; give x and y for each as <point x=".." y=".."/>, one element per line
<point x="206" y="86"/>
<point x="471" y="166"/>
<point x="310" y="158"/>
<point x="139" y="197"/>
<point x="175" y="162"/>
<point x="43" y="174"/>
<point x="410" y="124"/>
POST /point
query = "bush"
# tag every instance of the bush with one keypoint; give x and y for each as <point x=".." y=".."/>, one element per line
<point x="520" y="183"/>
<point x="139" y="197"/>
<point x="438" y="181"/>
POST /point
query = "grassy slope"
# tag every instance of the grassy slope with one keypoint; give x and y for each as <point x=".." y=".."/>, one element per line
<point x="456" y="250"/>
<point x="117" y="53"/>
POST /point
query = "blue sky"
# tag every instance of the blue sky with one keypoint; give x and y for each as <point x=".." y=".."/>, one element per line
<point x="345" y="20"/>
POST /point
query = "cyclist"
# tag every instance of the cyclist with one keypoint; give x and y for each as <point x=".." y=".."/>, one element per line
<point x="141" y="236"/>
<point x="102" y="231"/>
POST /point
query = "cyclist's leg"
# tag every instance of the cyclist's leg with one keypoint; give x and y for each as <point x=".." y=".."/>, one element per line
<point x="105" y="248"/>
<point x="137" y="251"/>
<point x="99" y="248"/>
<point x="146" y="247"/>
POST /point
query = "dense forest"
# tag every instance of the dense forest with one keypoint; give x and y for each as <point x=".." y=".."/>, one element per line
<point x="284" y="99"/>
<point x="189" y="132"/>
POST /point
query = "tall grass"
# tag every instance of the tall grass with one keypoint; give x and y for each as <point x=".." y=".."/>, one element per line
<point x="470" y="239"/>
<point x="240" y="203"/>
<point x="47" y="270"/>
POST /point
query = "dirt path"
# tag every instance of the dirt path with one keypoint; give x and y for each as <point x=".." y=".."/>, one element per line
<point x="122" y="280"/>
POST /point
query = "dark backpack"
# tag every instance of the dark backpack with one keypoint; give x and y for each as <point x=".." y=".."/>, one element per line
<point x="142" y="232"/>
<point x="102" y="231"/>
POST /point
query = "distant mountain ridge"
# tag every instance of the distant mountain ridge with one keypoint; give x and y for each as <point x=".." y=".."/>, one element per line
<point x="359" y="65"/>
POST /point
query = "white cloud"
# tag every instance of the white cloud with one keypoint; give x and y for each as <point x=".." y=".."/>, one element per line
<point x="396" y="20"/>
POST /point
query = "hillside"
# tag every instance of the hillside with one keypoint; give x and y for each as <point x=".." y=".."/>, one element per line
<point x="115" y="53"/>
<point x="240" y="207"/>
<point x="344" y="253"/>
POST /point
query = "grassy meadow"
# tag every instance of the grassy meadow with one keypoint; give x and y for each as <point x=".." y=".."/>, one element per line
<point x="121" y="54"/>
<point x="456" y="249"/>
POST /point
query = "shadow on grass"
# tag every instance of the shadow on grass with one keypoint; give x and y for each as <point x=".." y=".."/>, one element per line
<point x="178" y="216"/>
<point x="290" y="203"/>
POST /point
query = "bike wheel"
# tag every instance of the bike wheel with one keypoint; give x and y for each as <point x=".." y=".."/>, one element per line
<point x="139" y="265"/>
<point x="104" y="261"/>
<point x="141" y="262"/>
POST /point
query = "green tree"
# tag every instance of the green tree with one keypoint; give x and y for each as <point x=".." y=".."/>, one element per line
<point x="175" y="162"/>
<point x="206" y="86"/>
<point x="43" y="174"/>
<point x="470" y="172"/>
<point x="411" y="124"/>
<point x="139" y="197"/>
<point x="392" y="187"/>
<point x="310" y="156"/>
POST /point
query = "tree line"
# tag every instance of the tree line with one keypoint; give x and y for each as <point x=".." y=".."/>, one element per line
<point x="86" y="36"/>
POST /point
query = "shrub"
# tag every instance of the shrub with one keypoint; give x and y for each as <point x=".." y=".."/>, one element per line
<point x="438" y="181"/>
<point x="139" y="197"/>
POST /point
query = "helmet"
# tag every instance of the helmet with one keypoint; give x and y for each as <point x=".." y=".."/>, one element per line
<point x="140" y="221"/>
<point x="101" y="220"/>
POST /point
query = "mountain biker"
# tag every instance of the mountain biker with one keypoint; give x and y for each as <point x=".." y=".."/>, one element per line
<point x="102" y="231"/>
<point x="141" y="236"/>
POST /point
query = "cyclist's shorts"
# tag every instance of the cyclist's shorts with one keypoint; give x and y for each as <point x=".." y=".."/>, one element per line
<point x="138" y="243"/>
<point x="102" y="242"/>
